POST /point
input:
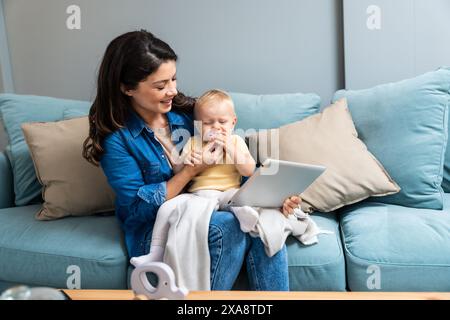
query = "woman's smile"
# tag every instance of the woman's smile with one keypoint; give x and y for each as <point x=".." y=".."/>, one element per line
<point x="167" y="103"/>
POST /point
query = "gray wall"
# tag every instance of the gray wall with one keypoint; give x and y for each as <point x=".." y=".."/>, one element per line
<point x="413" y="39"/>
<point x="254" y="46"/>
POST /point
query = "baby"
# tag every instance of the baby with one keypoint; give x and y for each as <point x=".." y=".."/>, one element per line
<point x="230" y="160"/>
<point x="228" y="151"/>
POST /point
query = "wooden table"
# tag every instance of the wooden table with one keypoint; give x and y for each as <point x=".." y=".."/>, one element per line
<point x="265" y="295"/>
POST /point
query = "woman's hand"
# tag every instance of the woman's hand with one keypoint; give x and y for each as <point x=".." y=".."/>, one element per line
<point x="199" y="160"/>
<point x="195" y="166"/>
<point x="290" y="204"/>
<point x="193" y="158"/>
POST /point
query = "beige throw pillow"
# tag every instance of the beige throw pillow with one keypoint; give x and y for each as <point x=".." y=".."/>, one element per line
<point x="329" y="139"/>
<point x="70" y="185"/>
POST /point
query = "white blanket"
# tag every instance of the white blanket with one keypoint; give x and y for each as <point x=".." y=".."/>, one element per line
<point x="187" y="251"/>
<point x="273" y="229"/>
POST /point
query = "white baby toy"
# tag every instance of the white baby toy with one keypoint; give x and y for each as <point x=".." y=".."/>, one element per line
<point x="166" y="287"/>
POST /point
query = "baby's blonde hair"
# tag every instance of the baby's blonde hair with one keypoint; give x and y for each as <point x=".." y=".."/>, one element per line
<point x="214" y="95"/>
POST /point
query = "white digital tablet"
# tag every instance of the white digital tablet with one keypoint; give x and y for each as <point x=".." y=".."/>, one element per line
<point x="274" y="181"/>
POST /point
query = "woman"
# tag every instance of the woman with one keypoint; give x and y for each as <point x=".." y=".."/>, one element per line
<point x="136" y="97"/>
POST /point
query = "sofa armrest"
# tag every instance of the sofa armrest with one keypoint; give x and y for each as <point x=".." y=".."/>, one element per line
<point x="6" y="183"/>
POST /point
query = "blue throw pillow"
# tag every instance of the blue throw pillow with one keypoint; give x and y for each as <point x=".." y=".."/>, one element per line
<point x="74" y="113"/>
<point x="446" y="179"/>
<point x="273" y="110"/>
<point x="404" y="124"/>
<point x="18" y="109"/>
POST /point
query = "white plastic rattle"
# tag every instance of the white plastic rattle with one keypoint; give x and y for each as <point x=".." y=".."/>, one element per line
<point x="166" y="288"/>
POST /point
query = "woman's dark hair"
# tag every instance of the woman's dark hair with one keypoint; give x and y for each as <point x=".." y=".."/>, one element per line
<point x="128" y="60"/>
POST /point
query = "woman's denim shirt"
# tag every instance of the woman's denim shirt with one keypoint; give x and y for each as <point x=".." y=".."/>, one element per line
<point x="137" y="169"/>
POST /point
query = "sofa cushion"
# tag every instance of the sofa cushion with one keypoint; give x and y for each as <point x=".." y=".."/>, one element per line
<point x="319" y="267"/>
<point x="6" y="185"/>
<point x="395" y="248"/>
<point x="404" y="125"/>
<point x="39" y="253"/>
<point x="273" y="110"/>
<point x="71" y="185"/>
<point x="74" y="113"/>
<point x="18" y="109"/>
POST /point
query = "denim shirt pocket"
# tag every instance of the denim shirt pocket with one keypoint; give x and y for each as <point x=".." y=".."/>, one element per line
<point x="151" y="172"/>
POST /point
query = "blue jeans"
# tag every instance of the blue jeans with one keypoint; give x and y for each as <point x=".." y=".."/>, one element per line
<point x="229" y="246"/>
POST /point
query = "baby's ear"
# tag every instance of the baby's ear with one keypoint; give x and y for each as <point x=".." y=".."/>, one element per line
<point x="234" y="120"/>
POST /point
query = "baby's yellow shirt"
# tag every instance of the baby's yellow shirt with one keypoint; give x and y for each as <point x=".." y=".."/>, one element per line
<point x="219" y="177"/>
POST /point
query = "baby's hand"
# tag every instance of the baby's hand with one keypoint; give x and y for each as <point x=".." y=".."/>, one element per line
<point x="212" y="153"/>
<point x="290" y="204"/>
<point x="223" y="141"/>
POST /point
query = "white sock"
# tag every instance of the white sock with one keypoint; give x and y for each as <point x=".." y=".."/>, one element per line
<point x="247" y="216"/>
<point x="156" y="254"/>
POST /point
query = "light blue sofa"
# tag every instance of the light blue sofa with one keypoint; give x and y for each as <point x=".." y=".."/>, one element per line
<point x="375" y="246"/>
<point x="416" y="256"/>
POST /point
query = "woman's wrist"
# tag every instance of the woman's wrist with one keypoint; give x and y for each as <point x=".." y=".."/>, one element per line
<point x="189" y="171"/>
<point x="179" y="181"/>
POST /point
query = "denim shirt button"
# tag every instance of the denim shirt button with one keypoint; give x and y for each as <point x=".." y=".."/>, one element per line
<point x="162" y="156"/>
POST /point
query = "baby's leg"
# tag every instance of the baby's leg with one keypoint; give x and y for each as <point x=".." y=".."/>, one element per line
<point x="160" y="230"/>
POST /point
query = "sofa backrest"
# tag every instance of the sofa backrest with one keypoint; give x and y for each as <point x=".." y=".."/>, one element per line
<point x="6" y="182"/>
<point x="3" y="139"/>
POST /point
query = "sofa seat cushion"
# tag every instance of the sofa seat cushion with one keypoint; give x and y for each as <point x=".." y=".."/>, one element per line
<point x="46" y="253"/>
<point x="395" y="248"/>
<point x="318" y="267"/>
